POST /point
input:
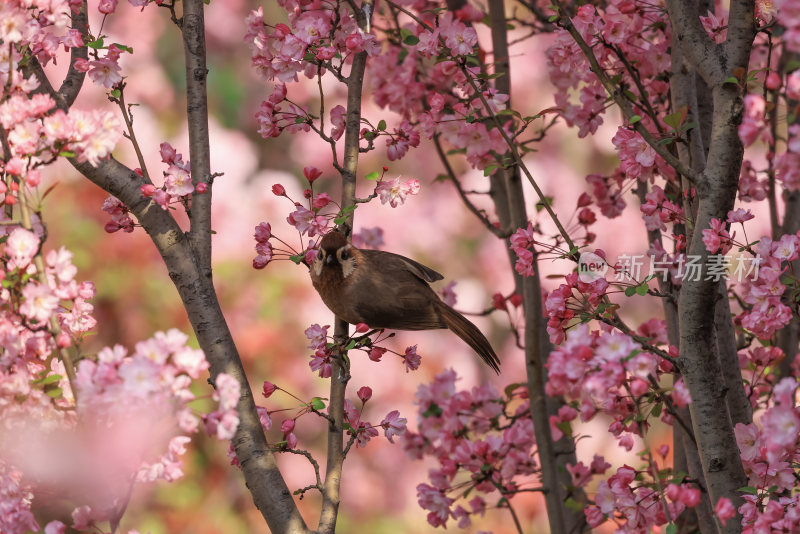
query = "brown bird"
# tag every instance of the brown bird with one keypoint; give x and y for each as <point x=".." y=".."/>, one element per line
<point x="386" y="290"/>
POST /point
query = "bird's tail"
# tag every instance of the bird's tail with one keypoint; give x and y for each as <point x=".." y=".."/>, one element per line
<point x="467" y="331"/>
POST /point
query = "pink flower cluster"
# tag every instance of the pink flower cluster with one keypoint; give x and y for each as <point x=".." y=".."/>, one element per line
<point x="15" y="502"/>
<point x="787" y="164"/>
<point x="767" y="313"/>
<point x="561" y="305"/>
<point x="395" y="192"/>
<point x="42" y="25"/>
<point x="482" y="442"/>
<point x="177" y="179"/>
<point x="37" y="135"/>
<point x="634" y="30"/>
<point x="32" y="304"/>
<point x="130" y="424"/>
<point x="640" y="505"/>
<point x="103" y="71"/>
<point x="522" y="243"/>
<point x="769" y="450"/>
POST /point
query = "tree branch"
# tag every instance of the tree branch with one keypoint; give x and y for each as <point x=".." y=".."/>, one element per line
<point x="194" y="45"/>
<point x="340" y="373"/>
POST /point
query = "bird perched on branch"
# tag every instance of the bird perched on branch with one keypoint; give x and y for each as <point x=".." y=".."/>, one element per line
<point x="386" y="290"/>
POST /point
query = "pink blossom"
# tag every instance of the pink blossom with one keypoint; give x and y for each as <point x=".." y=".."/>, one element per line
<point x="82" y="518"/>
<point x="740" y="215"/>
<point x="20" y="247"/>
<point x="318" y="335"/>
<point x="39" y="303"/>
<point x="411" y="359"/>
<point x="263" y="232"/>
<point x="368" y="238"/>
<point x="393" y="425"/>
<point x="307" y="222"/>
<point x="448" y="295"/>
<point x="395" y="192"/>
<point x="436" y="502"/>
<point x="338" y="116"/>
<point x="321" y="362"/>
<point x="717" y="28"/>
<point x="459" y="38"/>
<point x="724" y="510"/>
<point x="178" y="181"/>
<point x="717" y="237"/>
<point x="105" y="72"/>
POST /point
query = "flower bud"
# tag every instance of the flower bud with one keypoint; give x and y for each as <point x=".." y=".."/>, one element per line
<point x="364" y="393"/>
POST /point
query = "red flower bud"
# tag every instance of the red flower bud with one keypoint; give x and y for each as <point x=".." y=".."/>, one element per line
<point x="279" y="190"/>
<point x="773" y="81"/>
<point x="311" y="174"/>
<point x="287" y="426"/>
<point x="269" y="389"/>
<point x="364" y="393"/>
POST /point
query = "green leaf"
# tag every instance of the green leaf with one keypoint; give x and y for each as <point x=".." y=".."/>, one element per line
<point x="369" y="135"/>
<point x="116" y="93"/>
<point x="298" y="258"/>
<point x="402" y="55"/>
<point x="47" y="380"/>
<point x="641" y="289"/>
<point x="489" y="170"/>
<point x="749" y="489"/>
<point x="67" y="153"/>
<point x="733" y="79"/>
<point x="540" y="205"/>
<point x="672" y="529"/>
<point x="635" y="119"/>
<point x="656" y="411"/>
<point x="54" y="393"/>
<point x="382" y="126"/>
<point x="433" y="411"/>
<point x="552" y="18"/>
<point x="674" y="119"/>
<point x="630" y="291"/>
<point x="96" y="44"/>
<point x="374" y="175"/>
<point x="350" y="345"/>
<point x="124" y="48"/>
<point x="317" y="403"/>
<point x="411" y="40"/>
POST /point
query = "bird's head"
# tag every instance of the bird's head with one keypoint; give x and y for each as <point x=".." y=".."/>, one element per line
<point x="335" y="255"/>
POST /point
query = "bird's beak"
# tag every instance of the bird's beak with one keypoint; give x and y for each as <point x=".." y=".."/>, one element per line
<point x="329" y="259"/>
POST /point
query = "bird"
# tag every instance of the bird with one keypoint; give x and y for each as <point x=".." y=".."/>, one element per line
<point x="387" y="291"/>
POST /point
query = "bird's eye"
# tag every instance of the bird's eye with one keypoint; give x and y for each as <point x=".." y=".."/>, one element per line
<point x="344" y="253"/>
<point x="321" y="254"/>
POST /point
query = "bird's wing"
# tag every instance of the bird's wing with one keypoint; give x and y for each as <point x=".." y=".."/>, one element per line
<point x="393" y="293"/>
<point x="390" y="261"/>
